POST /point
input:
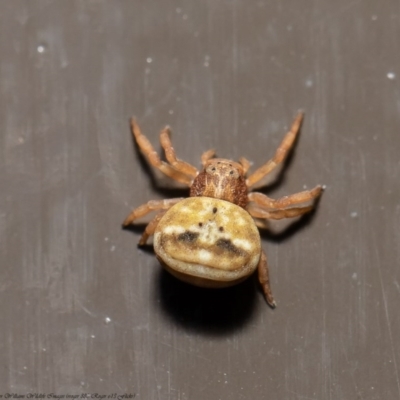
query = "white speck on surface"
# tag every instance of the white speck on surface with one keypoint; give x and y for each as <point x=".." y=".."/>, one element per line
<point x="92" y="336"/>
<point x="149" y="60"/>
<point x="391" y="75"/>
<point x="304" y="187"/>
<point x="324" y="187"/>
<point x="354" y="276"/>
<point x="41" y="49"/>
<point x="106" y="239"/>
<point x="21" y="140"/>
<point x="309" y="83"/>
<point x="206" y="61"/>
<point x="107" y="320"/>
<point x="374" y="17"/>
<point x="170" y="112"/>
<point x="184" y="16"/>
<point x="354" y="214"/>
<point x="44" y="349"/>
<point x="112" y="248"/>
<point x="178" y="10"/>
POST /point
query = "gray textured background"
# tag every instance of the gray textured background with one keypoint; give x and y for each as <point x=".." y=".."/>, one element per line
<point x="83" y="310"/>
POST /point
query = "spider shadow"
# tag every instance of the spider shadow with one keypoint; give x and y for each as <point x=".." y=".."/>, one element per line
<point x="138" y="229"/>
<point x="211" y="311"/>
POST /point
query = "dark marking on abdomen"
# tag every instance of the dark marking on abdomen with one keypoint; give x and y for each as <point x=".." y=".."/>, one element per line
<point x="188" y="236"/>
<point x="226" y="244"/>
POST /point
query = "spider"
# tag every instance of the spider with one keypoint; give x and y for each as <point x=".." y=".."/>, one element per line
<point x="211" y="238"/>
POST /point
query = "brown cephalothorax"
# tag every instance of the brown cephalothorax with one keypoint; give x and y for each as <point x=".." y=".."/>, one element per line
<point x="211" y="239"/>
<point x="221" y="179"/>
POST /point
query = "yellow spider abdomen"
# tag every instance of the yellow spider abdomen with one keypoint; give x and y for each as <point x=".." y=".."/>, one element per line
<point x="208" y="242"/>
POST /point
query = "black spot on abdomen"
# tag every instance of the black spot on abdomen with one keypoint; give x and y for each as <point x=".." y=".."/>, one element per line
<point x="188" y="236"/>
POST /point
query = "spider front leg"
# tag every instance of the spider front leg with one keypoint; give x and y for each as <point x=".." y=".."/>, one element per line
<point x="280" y="153"/>
<point x="245" y="164"/>
<point x="263" y="278"/>
<point x="207" y="155"/>
<point x="152" y="205"/>
<point x="153" y="158"/>
<point x="179" y="165"/>
<point x="286" y="201"/>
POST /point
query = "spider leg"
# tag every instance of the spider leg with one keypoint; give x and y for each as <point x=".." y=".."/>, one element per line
<point x="207" y="155"/>
<point x="150" y="206"/>
<point x="153" y="158"/>
<point x="263" y="278"/>
<point x="280" y="153"/>
<point x="179" y="165"/>
<point x="286" y="201"/>
<point x="245" y="164"/>
<point x="261" y="223"/>
<point x="259" y="212"/>
<point x="150" y="228"/>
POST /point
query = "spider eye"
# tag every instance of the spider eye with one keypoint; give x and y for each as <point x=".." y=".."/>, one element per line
<point x="231" y="172"/>
<point x="213" y="169"/>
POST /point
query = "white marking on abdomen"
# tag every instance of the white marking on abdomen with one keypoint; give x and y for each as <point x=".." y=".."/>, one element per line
<point x="242" y="243"/>
<point x="174" y="229"/>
